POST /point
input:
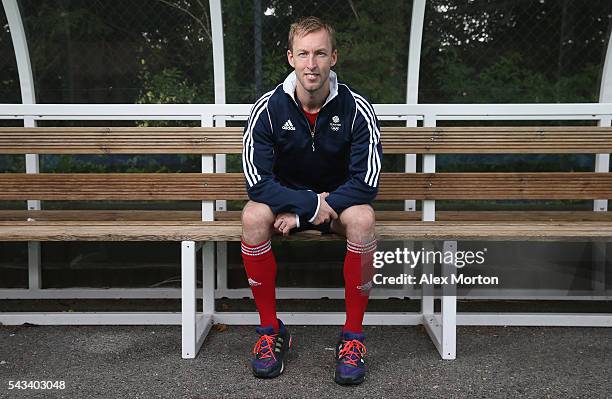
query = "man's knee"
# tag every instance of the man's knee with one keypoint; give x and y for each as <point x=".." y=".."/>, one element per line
<point x="360" y="222"/>
<point x="257" y="219"/>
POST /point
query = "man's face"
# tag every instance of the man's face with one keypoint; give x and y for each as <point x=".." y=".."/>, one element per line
<point x="312" y="58"/>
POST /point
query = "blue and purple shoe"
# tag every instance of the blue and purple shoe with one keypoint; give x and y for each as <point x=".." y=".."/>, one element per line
<point x="270" y="351"/>
<point x="350" y="365"/>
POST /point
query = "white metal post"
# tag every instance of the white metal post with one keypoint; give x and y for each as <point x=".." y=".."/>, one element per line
<point x="34" y="247"/>
<point x="216" y="26"/>
<point x="602" y="165"/>
<point x="208" y="278"/>
<point x="412" y="85"/>
<point x="449" y="305"/>
<point x="442" y="327"/>
<point x="188" y="299"/>
<point x="28" y="96"/>
<point x="194" y="327"/>
<point x="22" y="54"/>
<point x="602" y="161"/>
<point x="208" y="166"/>
<point x="429" y="166"/>
<point x="427" y="290"/>
<point x="429" y="209"/>
<point x="208" y="253"/>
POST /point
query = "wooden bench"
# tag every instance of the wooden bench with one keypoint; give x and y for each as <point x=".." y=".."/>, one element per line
<point x="194" y="228"/>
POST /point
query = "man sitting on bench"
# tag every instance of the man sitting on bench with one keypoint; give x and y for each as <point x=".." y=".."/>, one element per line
<point x="312" y="158"/>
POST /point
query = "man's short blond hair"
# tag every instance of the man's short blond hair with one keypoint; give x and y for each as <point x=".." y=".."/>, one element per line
<point x="307" y="25"/>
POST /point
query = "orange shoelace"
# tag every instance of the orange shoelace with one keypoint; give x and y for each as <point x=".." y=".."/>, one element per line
<point x="264" y="347"/>
<point x="352" y="351"/>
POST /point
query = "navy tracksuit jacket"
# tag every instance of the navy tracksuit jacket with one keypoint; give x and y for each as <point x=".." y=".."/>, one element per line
<point x="286" y="163"/>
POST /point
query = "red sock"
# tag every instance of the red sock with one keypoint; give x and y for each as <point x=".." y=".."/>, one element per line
<point x="358" y="272"/>
<point x="260" y="266"/>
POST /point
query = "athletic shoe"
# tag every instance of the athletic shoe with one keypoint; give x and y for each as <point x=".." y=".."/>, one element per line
<point x="270" y="351"/>
<point x="350" y="365"/>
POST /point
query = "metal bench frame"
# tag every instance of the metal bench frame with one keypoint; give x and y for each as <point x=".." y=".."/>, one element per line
<point x="441" y="327"/>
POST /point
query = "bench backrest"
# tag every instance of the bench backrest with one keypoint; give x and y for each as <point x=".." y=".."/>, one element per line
<point x="229" y="186"/>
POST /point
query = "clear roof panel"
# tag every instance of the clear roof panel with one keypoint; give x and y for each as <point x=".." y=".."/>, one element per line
<point x="497" y="51"/>
<point x="503" y="51"/>
<point x="372" y="39"/>
<point x="9" y="77"/>
<point x="120" y="52"/>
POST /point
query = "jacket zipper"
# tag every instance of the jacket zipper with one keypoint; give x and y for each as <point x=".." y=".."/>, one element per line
<point x="312" y="131"/>
<point x="314" y="128"/>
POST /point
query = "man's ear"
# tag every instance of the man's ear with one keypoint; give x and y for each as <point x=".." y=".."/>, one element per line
<point x="334" y="57"/>
<point x="290" y="58"/>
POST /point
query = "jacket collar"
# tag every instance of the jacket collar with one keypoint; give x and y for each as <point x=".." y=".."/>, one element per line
<point x="290" y="84"/>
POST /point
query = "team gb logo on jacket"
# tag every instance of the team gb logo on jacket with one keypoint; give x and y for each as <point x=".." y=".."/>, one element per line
<point x="335" y="123"/>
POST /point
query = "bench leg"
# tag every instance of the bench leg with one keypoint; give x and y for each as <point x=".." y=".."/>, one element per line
<point x="208" y="279"/>
<point x="221" y="266"/>
<point x="598" y="283"/>
<point x="427" y="290"/>
<point x="194" y="327"/>
<point x="442" y="328"/>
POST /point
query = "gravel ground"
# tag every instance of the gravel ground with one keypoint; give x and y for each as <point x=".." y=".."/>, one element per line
<point x="145" y="362"/>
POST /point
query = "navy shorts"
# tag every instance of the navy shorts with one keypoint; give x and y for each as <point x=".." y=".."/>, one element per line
<point x="324" y="228"/>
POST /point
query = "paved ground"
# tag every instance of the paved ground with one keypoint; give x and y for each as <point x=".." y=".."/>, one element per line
<point x="145" y="362"/>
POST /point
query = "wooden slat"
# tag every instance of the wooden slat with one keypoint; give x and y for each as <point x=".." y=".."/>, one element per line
<point x="231" y="186"/>
<point x="231" y="231"/>
<point x="494" y="186"/>
<point x="110" y="215"/>
<point x="174" y="215"/>
<point x="396" y="140"/>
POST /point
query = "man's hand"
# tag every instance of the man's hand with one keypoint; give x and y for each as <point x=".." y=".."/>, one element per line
<point x="326" y="213"/>
<point x="285" y="222"/>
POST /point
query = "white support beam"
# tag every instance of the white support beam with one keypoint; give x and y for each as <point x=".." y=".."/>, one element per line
<point x="442" y="327"/>
<point x="216" y="26"/>
<point x="602" y="165"/>
<point x="535" y="319"/>
<point x="221" y="265"/>
<point x="28" y="96"/>
<point x="414" y="51"/>
<point x="188" y="299"/>
<point x="605" y="90"/>
<point x="194" y="326"/>
<point x="313" y="293"/>
<point x="322" y="318"/>
<point x="204" y="323"/>
<point x="90" y="318"/>
<point x="427" y="290"/>
<point x="22" y="54"/>
<point x="433" y="328"/>
<point x="307" y="318"/>
<point x="412" y="85"/>
<point x="208" y="278"/>
<point x="34" y="266"/>
<point x="297" y="293"/>
<point x="240" y="112"/>
<point x="429" y="166"/>
<point x="208" y="207"/>
<point x="448" y="347"/>
<point x="208" y="166"/>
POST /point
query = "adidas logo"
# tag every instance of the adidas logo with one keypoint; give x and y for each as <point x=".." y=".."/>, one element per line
<point x="288" y="125"/>
<point x="253" y="283"/>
